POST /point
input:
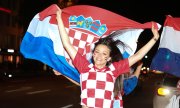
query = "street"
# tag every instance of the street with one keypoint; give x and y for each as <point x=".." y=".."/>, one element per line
<point x="58" y="92"/>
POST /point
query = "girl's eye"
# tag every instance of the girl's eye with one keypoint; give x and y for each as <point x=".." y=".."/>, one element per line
<point x="104" y="54"/>
<point x="96" y="52"/>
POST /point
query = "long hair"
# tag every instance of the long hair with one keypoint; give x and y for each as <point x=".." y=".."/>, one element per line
<point x="115" y="55"/>
<point x="118" y="85"/>
<point x="112" y="44"/>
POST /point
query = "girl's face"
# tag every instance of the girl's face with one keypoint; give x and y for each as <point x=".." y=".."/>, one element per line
<point x="101" y="55"/>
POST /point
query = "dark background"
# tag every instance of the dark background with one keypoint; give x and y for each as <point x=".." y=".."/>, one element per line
<point x="138" y="10"/>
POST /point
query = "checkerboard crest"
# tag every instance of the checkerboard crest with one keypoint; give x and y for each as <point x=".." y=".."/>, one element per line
<point x="82" y="42"/>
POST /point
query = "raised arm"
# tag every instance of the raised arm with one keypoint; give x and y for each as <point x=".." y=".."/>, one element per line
<point x="58" y="73"/>
<point x="138" y="69"/>
<point x="144" y="50"/>
<point x="64" y="36"/>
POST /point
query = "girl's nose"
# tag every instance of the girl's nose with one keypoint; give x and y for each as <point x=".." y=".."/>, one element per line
<point x="100" y="55"/>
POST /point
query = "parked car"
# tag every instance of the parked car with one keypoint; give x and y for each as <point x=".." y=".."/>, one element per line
<point x="167" y="94"/>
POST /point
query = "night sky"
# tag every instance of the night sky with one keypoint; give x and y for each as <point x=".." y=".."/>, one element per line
<point x="138" y="10"/>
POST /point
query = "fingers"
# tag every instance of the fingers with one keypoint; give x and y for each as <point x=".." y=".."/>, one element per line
<point x="58" y="7"/>
<point x="58" y="13"/>
<point x="56" y="72"/>
<point x="155" y="31"/>
<point x="153" y="28"/>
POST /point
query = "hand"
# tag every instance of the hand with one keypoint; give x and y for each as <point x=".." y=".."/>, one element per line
<point x="56" y="72"/>
<point x="140" y="63"/>
<point x="155" y="32"/>
<point x="58" y="14"/>
<point x="59" y="9"/>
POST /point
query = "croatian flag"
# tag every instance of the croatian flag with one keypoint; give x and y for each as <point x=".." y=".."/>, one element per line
<point x="85" y="25"/>
<point x="167" y="58"/>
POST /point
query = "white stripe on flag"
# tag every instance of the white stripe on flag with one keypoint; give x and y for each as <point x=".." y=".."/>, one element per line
<point x="170" y="39"/>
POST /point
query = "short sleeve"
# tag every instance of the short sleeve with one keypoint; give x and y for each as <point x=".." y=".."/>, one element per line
<point x="121" y="67"/>
<point x="81" y="63"/>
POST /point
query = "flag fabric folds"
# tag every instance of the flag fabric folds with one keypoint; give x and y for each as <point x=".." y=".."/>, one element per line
<point x="167" y="58"/>
<point x="85" y="25"/>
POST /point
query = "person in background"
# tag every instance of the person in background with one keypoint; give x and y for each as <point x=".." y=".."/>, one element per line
<point x="125" y="84"/>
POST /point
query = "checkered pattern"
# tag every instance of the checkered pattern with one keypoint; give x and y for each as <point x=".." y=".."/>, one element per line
<point x="81" y="41"/>
<point x="118" y="102"/>
<point x="97" y="84"/>
<point x="178" y="84"/>
<point x="97" y="88"/>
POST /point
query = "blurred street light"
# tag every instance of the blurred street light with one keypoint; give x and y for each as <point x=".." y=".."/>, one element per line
<point x="146" y="57"/>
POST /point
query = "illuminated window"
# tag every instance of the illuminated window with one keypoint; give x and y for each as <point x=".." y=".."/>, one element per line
<point x="10" y="50"/>
<point x="10" y="58"/>
<point x="1" y="58"/>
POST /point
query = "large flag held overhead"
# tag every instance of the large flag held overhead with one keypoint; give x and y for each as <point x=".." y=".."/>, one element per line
<point x="85" y="25"/>
<point x="167" y="58"/>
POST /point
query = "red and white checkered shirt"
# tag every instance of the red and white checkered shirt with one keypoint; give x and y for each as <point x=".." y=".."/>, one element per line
<point x="97" y="84"/>
<point x="118" y="102"/>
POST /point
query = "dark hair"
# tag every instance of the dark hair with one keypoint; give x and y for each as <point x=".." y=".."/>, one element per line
<point x="112" y="44"/>
<point x="118" y="85"/>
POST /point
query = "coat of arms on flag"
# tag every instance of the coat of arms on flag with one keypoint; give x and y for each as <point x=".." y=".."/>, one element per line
<point x="85" y="25"/>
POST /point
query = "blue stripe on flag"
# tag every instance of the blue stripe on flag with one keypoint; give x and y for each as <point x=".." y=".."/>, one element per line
<point x="166" y="61"/>
<point x="41" y="49"/>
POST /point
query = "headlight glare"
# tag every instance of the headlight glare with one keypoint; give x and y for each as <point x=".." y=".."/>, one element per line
<point x="163" y="91"/>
